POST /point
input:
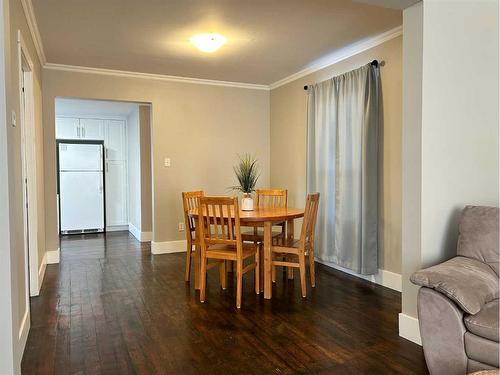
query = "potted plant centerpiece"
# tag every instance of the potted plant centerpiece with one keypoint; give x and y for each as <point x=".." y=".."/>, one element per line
<point x="247" y="174"/>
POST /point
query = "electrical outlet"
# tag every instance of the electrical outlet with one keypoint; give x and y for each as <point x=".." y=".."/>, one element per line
<point x="182" y="228"/>
<point x="166" y="162"/>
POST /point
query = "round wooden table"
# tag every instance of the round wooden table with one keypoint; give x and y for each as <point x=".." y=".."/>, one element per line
<point x="264" y="217"/>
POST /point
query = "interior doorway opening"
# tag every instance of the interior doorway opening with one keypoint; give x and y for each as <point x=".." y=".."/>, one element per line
<point x="104" y="167"/>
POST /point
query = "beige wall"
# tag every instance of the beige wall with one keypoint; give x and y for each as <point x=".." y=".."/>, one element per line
<point x="288" y="140"/>
<point x="201" y="128"/>
<point x="146" y="187"/>
<point x="412" y="153"/>
<point x="18" y="22"/>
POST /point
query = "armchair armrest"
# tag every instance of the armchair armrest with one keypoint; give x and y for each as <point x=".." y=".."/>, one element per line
<point x="468" y="282"/>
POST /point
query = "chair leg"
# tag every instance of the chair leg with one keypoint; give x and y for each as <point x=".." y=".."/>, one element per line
<point x="203" y="278"/>
<point x="222" y="275"/>
<point x="239" y="282"/>
<point x="261" y="271"/>
<point x="302" y="268"/>
<point x="273" y="270"/>
<point x="188" y="261"/>
<point x="289" y="272"/>
<point x="257" y="272"/>
<point x="312" y="272"/>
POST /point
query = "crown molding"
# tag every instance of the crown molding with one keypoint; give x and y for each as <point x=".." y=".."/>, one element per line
<point x="33" y="26"/>
<point x="151" y="76"/>
<point x="341" y="54"/>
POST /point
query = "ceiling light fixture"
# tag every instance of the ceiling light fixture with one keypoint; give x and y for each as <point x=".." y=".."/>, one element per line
<point x="208" y="42"/>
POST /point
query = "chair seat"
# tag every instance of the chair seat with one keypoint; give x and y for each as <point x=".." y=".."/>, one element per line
<point x="481" y="350"/>
<point x="289" y="244"/>
<point x="485" y="322"/>
<point x="221" y="251"/>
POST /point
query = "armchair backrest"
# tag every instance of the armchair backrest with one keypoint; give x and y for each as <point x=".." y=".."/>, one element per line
<point x="478" y="235"/>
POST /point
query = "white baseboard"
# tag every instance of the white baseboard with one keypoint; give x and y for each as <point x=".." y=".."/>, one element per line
<point x="53" y="256"/>
<point x="168" y="247"/>
<point x="141" y="236"/>
<point x="116" y="228"/>
<point x="24" y="329"/>
<point x="409" y="328"/>
<point x="41" y="274"/>
<point x="385" y="278"/>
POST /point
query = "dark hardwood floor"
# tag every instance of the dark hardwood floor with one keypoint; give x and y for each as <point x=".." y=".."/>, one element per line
<point x="111" y="307"/>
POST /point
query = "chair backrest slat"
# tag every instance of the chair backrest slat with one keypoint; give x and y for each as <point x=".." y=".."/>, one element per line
<point x="220" y="221"/>
<point x="272" y="198"/>
<point x="309" y="223"/>
<point x="190" y="202"/>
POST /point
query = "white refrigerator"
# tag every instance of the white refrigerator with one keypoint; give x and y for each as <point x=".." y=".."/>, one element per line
<point x="81" y="187"/>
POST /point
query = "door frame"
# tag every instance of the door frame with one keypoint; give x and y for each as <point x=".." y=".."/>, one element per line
<point x="58" y="189"/>
<point x="34" y="273"/>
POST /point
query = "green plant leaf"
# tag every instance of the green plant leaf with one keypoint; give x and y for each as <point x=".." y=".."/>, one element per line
<point x="247" y="174"/>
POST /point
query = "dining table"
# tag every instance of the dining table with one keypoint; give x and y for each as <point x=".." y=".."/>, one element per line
<point x="259" y="217"/>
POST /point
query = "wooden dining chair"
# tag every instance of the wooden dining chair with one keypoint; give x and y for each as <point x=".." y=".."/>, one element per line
<point x="190" y="202"/>
<point x="220" y="240"/>
<point x="295" y="251"/>
<point x="268" y="198"/>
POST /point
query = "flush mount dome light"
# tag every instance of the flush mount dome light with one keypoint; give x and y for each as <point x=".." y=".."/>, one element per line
<point x="208" y="42"/>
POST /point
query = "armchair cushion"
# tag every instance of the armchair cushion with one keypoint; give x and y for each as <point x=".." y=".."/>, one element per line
<point x="468" y="282"/>
<point x="485" y="322"/>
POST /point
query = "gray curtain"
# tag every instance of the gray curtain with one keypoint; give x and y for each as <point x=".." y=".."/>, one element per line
<point x="342" y="164"/>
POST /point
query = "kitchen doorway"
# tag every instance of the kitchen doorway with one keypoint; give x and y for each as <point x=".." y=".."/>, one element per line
<point x="104" y="167"/>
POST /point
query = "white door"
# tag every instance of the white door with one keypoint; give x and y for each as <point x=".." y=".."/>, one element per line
<point x="115" y="140"/>
<point x="116" y="198"/>
<point x="67" y="128"/>
<point x="92" y="129"/>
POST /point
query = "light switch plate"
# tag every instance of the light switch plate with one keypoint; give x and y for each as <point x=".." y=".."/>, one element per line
<point x="182" y="227"/>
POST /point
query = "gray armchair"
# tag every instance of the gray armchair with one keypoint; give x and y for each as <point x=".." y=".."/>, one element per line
<point x="458" y="307"/>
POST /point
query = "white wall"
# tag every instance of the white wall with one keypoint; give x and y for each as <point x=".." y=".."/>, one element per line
<point x="458" y="157"/>
<point x="134" y="169"/>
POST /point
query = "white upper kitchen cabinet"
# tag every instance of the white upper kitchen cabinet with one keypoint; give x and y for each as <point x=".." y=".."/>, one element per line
<point x="91" y="129"/>
<point x="115" y="140"/>
<point x="67" y="128"/>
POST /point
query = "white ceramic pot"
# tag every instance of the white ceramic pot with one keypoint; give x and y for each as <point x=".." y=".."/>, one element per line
<point x="247" y="203"/>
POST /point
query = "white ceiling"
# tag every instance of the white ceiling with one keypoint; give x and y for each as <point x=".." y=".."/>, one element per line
<point x="267" y="40"/>
<point x="84" y="107"/>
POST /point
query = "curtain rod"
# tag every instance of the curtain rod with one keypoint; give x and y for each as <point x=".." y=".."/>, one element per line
<point x="375" y="63"/>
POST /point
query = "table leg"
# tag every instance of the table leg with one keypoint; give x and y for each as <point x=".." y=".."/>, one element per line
<point x="289" y="236"/>
<point x="197" y="259"/>
<point x="267" y="260"/>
